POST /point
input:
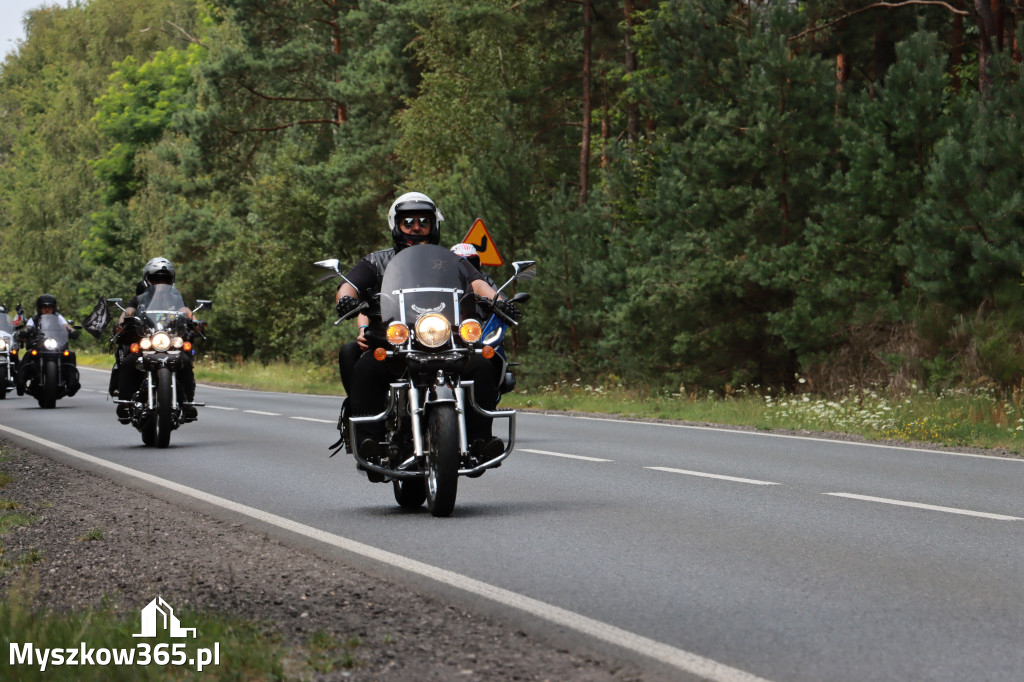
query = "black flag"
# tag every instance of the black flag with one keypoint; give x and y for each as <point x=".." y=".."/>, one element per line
<point x="98" y="319"/>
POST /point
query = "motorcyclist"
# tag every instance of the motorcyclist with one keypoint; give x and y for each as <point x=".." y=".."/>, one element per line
<point x="413" y="219"/>
<point x="122" y="349"/>
<point x="46" y="304"/>
<point x="470" y="254"/>
<point x="156" y="271"/>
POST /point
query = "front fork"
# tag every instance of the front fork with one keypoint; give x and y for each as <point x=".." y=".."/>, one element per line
<point x="416" y="413"/>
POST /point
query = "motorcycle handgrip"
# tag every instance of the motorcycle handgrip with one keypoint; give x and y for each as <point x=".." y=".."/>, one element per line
<point x="363" y="305"/>
<point x="501" y="315"/>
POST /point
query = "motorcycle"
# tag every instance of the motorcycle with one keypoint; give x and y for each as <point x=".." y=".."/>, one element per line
<point x="425" y="445"/>
<point x="160" y="336"/>
<point x="7" y="360"/>
<point x="47" y="363"/>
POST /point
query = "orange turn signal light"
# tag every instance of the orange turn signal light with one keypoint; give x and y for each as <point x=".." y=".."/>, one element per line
<point x="187" y="346"/>
<point x="397" y="333"/>
<point x="135" y="348"/>
<point x="471" y="331"/>
<point x="35" y="353"/>
<point x="487" y="352"/>
<point x="380" y="354"/>
<point x="67" y="353"/>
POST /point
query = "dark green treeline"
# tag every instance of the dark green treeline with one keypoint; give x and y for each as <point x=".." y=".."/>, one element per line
<point x="719" y="192"/>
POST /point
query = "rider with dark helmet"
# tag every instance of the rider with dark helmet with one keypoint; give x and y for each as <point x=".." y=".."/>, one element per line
<point x="413" y="219"/>
<point x="46" y="304"/>
<point x="126" y="375"/>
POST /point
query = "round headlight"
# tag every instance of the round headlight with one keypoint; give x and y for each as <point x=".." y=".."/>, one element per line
<point x="471" y="331"/>
<point x="177" y="342"/>
<point x="3" y="344"/>
<point x="397" y="333"/>
<point x="146" y="343"/>
<point x="50" y="344"/>
<point x="161" y="341"/>
<point x="433" y="330"/>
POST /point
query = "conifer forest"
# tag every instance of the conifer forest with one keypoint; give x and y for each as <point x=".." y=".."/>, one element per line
<point x="719" y="193"/>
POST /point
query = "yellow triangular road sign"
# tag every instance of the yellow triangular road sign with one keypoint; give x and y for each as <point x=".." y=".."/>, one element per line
<point x="481" y="239"/>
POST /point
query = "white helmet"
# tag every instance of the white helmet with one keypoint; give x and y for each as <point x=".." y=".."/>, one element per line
<point x="157" y="266"/>
<point x="467" y="251"/>
<point x="413" y="202"/>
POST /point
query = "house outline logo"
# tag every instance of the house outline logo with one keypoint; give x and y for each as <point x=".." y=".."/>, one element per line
<point x="159" y="610"/>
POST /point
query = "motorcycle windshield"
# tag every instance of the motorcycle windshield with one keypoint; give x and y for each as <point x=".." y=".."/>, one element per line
<point x="5" y="324"/>
<point x="160" y="305"/>
<point x="422" y="279"/>
<point x="52" y="328"/>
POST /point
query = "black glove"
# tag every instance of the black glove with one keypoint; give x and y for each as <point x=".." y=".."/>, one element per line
<point x="73" y="334"/>
<point x="345" y="305"/>
<point x="508" y="308"/>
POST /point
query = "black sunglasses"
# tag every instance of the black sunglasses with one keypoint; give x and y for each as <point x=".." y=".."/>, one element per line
<point x="425" y="222"/>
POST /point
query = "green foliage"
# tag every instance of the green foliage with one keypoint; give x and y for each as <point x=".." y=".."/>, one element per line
<point x="747" y="215"/>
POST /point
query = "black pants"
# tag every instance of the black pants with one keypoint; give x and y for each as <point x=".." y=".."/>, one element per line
<point x="369" y="394"/>
<point x="347" y="358"/>
<point x="68" y="369"/>
<point x="129" y="378"/>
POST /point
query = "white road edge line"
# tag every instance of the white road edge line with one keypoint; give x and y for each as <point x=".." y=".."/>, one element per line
<point x="263" y="414"/>
<point x="930" y="507"/>
<point x="706" y="475"/>
<point x="764" y="434"/>
<point x="678" y="658"/>
<point x="562" y="454"/>
<point x="220" y="407"/>
<point x="314" y="419"/>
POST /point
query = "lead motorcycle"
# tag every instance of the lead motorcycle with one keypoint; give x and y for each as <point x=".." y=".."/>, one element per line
<point x="7" y="364"/>
<point x="425" y="448"/>
<point x="47" y="363"/>
<point x="160" y="336"/>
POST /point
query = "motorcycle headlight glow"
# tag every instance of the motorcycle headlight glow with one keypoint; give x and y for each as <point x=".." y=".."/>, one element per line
<point x="50" y="344"/>
<point x="161" y="341"/>
<point x="177" y="342"/>
<point x="146" y="343"/>
<point x="433" y="330"/>
<point x="3" y="344"/>
<point x="471" y="331"/>
<point x="397" y="333"/>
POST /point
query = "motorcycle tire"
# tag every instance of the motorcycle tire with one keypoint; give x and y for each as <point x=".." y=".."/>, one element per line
<point x="48" y="397"/>
<point x="149" y="432"/>
<point x="410" y="493"/>
<point x="3" y="388"/>
<point x="442" y="459"/>
<point x="164" y="408"/>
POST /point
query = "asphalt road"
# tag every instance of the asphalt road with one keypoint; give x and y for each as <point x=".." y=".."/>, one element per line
<point x="779" y="557"/>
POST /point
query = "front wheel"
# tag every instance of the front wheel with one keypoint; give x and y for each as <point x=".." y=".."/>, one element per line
<point x="442" y="459"/>
<point x="164" y="408"/>
<point x="48" y="396"/>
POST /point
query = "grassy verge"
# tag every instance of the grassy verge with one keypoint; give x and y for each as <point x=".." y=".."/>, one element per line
<point x="245" y="650"/>
<point x="979" y="417"/>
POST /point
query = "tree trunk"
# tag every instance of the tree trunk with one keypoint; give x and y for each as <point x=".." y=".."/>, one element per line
<point x="986" y="28"/>
<point x="632" y="114"/>
<point x="587" y="105"/>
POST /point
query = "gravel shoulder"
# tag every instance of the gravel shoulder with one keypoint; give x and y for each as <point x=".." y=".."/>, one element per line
<point x="150" y="546"/>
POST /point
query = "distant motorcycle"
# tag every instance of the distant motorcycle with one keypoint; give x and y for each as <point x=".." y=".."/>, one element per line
<point x="7" y="367"/>
<point x="426" y="449"/>
<point x="160" y="336"/>
<point x="47" y="363"/>
<point x="494" y="335"/>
